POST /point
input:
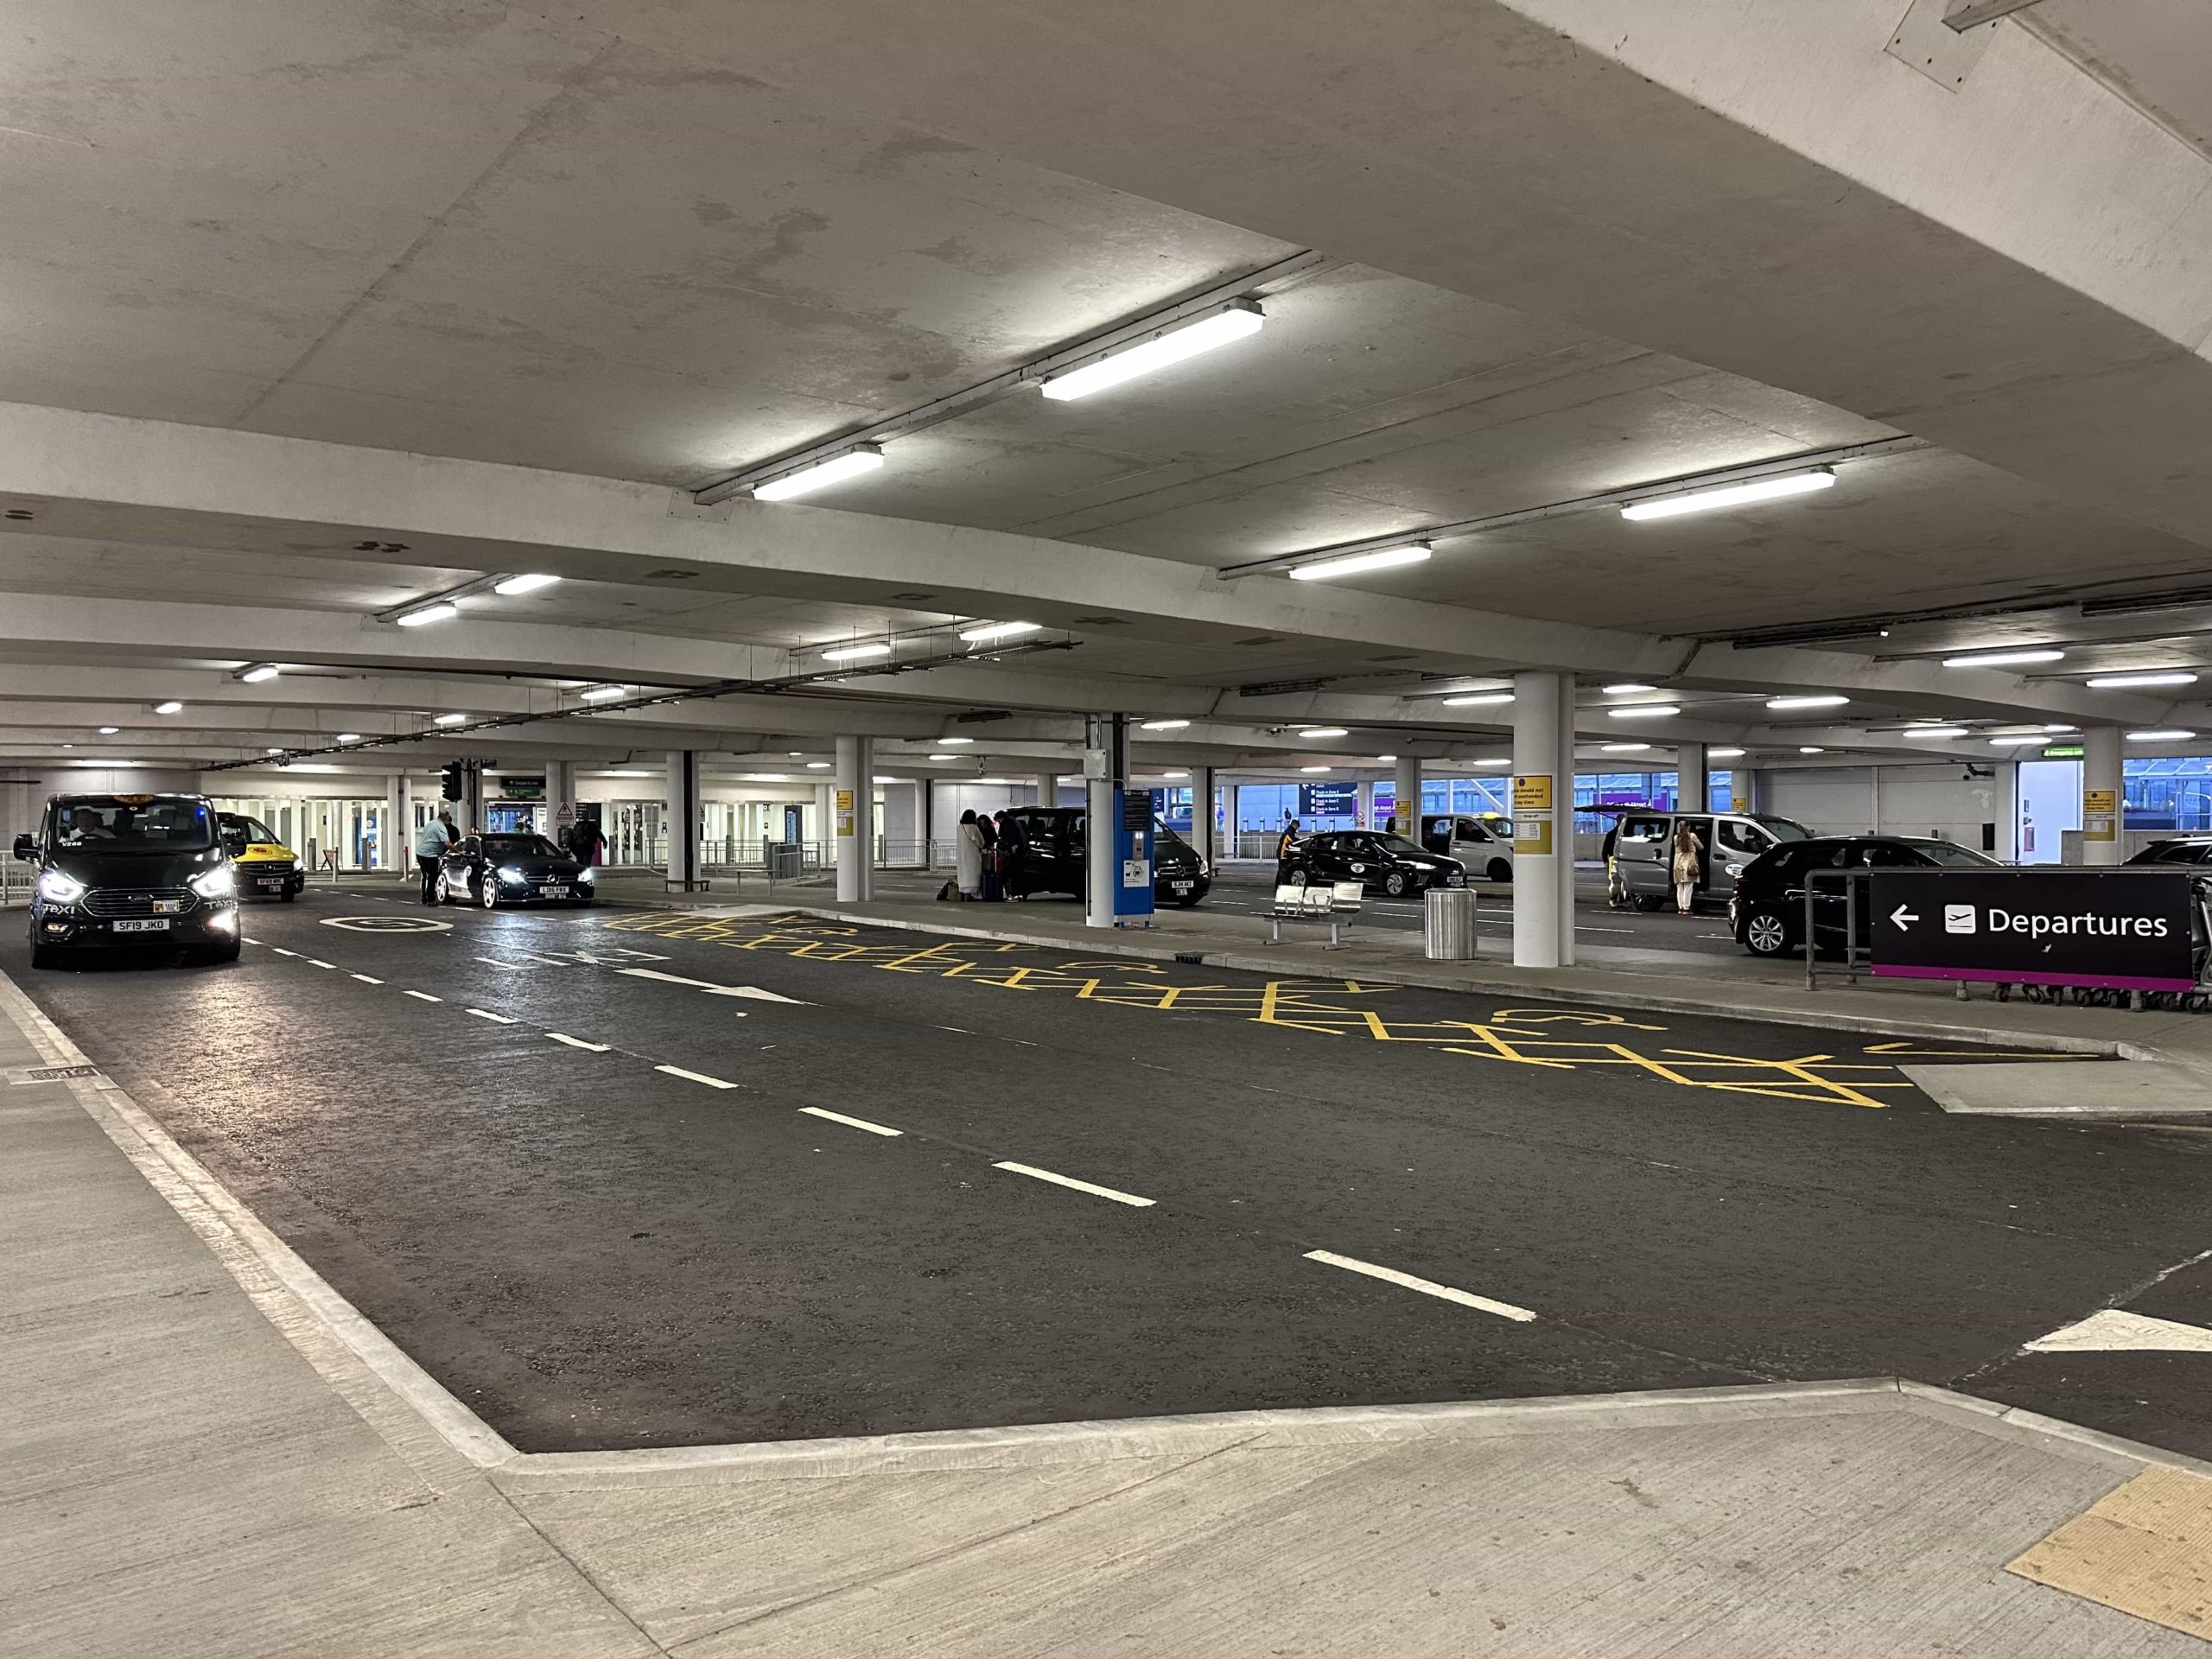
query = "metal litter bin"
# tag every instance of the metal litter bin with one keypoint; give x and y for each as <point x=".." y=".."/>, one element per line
<point x="1449" y="924"/>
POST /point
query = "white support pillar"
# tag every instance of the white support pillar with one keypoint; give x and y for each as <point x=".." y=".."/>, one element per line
<point x="1105" y="762"/>
<point x="2103" y="796"/>
<point x="1366" y="805"/>
<point x="680" y="819"/>
<point x="1048" y="789"/>
<point x="1406" y="797"/>
<point x="396" y="839"/>
<point x="1744" y="793"/>
<point x="1202" y="835"/>
<point x="560" y="813"/>
<point x="855" y="815"/>
<point x="1691" y="791"/>
<point x="1231" y="841"/>
<point x="1543" y="845"/>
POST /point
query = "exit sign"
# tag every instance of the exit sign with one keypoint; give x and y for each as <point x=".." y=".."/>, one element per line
<point x="2063" y="752"/>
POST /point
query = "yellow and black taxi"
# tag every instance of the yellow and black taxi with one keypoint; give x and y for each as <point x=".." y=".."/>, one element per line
<point x="118" y="870"/>
<point x="265" y="865"/>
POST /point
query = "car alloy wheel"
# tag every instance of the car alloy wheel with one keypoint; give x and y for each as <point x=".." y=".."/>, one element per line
<point x="488" y="895"/>
<point x="1395" y="883"/>
<point x="1297" y="879"/>
<point x="1766" y="934"/>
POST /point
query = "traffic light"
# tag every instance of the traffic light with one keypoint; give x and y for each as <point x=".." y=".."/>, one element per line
<point x="452" y="777"/>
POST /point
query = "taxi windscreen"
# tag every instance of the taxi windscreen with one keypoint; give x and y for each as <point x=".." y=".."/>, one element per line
<point x="128" y="824"/>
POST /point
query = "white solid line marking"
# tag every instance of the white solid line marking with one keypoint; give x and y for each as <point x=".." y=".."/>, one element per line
<point x="365" y="980"/>
<point x="578" y="1042"/>
<point x="957" y="1028"/>
<point x="2113" y="1329"/>
<point x="496" y="1018"/>
<point x="317" y="962"/>
<point x="695" y="1076"/>
<point x="849" y="1122"/>
<point x="1080" y="1186"/>
<point x="425" y="996"/>
<point x="710" y="986"/>
<point x="282" y="951"/>
<point x="249" y="941"/>
<point x="1426" y="1287"/>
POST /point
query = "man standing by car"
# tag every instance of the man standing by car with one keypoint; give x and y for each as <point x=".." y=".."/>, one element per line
<point x="431" y="843"/>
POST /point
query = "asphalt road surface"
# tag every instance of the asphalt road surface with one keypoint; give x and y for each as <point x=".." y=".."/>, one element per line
<point x="624" y="1179"/>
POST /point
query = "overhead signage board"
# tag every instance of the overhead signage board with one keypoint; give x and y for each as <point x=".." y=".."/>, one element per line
<point x="2125" y="929"/>
<point x="1328" y="800"/>
<point x="514" y="787"/>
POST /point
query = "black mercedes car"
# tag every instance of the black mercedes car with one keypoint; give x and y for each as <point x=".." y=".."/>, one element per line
<point x="512" y="869"/>
<point x="1378" y="860"/>
<point x="2176" y="850"/>
<point x="117" y="870"/>
<point x="1049" y="858"/>
<point x="1766" y="912"/>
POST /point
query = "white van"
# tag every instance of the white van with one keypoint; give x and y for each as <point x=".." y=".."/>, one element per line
<point x="1483" y="842"/>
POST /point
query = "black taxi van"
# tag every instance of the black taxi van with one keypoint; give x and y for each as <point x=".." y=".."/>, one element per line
<point x="117" y="870"/>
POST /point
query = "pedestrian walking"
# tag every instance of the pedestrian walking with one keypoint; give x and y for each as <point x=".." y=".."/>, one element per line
<point x="1689" y="865"/>
<point x="1282" y="851"/>
<point x="968" y="856"/>
<point x="431" y="843"/>
<point x="585" y="839"/>
<point x="992" y="892"/>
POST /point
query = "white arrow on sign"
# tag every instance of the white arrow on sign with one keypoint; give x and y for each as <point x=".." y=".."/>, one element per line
<point x="1901" y="916"/>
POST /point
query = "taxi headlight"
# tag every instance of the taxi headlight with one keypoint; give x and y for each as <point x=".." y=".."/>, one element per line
<point x="584" y="874"/>
<point x="218" y="883"/>
<point x="509" y="872"/>
<point x="59" y="889"/>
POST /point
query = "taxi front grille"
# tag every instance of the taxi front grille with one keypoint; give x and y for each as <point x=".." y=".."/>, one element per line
<point x="267" y="866"/>
<point x="141" y="901"/>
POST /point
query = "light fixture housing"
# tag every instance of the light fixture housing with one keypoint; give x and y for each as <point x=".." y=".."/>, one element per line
<point x="953" y="742"/>
<point x="1480" y="700"/>
<point x="1810" y="748"/>
<point x="990" y="631"/>
<point x="172" y="706"/>
<point x="1350" y="564"/>
<point x="1163" y="725"/>
<point x="1645" y="710"/>
<point x="2133" y="682"/>
<point x="817" y="766"/>
<point x="349" y="737"/>
<point x="1313" y="768"/>
<point x="860" y="458"/>
<point x="1628" y="689"/>
<point x="438" y="611"/>
<point x="1504" y="759"/>
<point x="2015" y="740"/>
<point x="1322" y="731"/>
<point x="1811" y="700"/>
<point x="110" y="731"/>
<point x="1622" y="748"/>
<point x="1385" y="759"/>
<point x="1730" y="495"/>
<point x="528" y="582"/>
<point x="856" y="653"/>
<point x="258" y="673"/>
<point x="2019" y="659"/>
<point x="2173" y="736"/>
<point x="602" y="693"/>
<point x="1235" y="321"/>
<point x="448" y="719"/>
<point x="1722" y="754"/>
<point x="1935" y="731"/>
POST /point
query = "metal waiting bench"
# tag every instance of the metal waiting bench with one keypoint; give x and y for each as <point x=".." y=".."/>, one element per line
<point x="1335" y="907"/>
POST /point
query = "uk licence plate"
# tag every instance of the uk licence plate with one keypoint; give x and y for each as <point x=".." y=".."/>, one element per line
<point x="554" y="893"/>
<point x="270" y="883"/>
<point x="1181" y="887"/>
<point x="152" y="924"/>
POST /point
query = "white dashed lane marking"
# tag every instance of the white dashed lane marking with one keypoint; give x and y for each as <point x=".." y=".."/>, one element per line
<point x="849" y="1122"/>
<point x="1094" y="1191"/>
<point x="424" y="996"/>
<point x="496" y="1018"/>
<point x="695" y="1076"/>
<point x="317" y="962"/>
<point x="367" y="980"/>
<point x="578" y="1042"/>
<point x="1426" y="1287"/>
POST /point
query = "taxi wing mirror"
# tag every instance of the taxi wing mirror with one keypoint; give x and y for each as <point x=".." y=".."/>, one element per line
<point x="26" y="847"/>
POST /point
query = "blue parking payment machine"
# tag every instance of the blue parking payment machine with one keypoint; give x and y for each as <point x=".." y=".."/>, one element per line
<point x="1133" y="853"/>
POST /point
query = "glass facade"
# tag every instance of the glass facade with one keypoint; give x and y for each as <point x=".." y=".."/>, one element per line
<point x="1652" y="789"/>
<point x="2169" y="793"/>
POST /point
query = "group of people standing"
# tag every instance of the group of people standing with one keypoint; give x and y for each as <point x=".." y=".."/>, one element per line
<point x="986" y="845"/>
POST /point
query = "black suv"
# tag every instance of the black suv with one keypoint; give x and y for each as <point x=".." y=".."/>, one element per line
<point x="1375" y="859"/>
<point x="1766" y="912"/>
<point x="131" y="869"/>
<point x="2177" y="849"/>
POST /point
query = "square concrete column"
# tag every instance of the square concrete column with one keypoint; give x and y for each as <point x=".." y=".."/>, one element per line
<point x="1543" y="820"/>
<point x="1405" y="795"/>
<point x="1202" y="835"/>
<point x="854" y="812"/>
<point x="2103" y="796"/>
<point x="1048" y="789"/>
<point x="1692" y="791"/>
<point x="559" y="815"/>
<point x="1746" y="790"/>
<point x="395" y="837"/>
<point x="1231" y="845"/>
<point x="1105" y="765"/>
<point x="680" y="819"/>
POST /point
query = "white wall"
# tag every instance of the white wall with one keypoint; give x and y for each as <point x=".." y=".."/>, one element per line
<point x="1828" y="800"/>
<point x="1931" y="800"/>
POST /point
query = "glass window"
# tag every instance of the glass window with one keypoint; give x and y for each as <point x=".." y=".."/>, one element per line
<point x="519" y="846"/>
<point x="1738" y="837"/>
<point x="127" y="823"/>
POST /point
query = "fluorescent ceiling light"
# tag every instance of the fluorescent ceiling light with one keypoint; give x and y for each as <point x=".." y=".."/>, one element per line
<point x="439" y="612"/>
<point x="272" y="751"/>
<point x="1321" y="731"/>
<point x="626" y="774"/>
<point x="2129" y="681"/>
<point x="997" y="631"/>
<point x="2158" y="737"/>
<point x="298" y="765"/>
<point x="601" y="693"/>
<point x="1628" y="689"/>
<point x="349" y="737"/>
<point x="2013" y="740"/>
<point x="2004" y="658"/>
<point x="1722" y="754"/>
<point x="817" y="766"/>
<point x="864" y="458"/>
<point x="946" y="757"/>
<point x="1174" y="774"/>
<point x="1384" y="759"/>
<point x="1645" y="711"/>
<point x="854" y="653"/>
<point x="110" y="731"/>
<point x="1353" y="563"/>
<point x="1730" y="495"/>
<point x="1239" y="319"/>
<point x="887" y="780"/>
<point x="954" y="742"/>
<point x="1480" y="700"/>
<point x="174" y="707"/>
<point x="1810" y="748"/>
<point x="1624" y="748"/>
<point x="259" y="672"/>
<point x="1935" y="731"/>
<point x="1163" y="725"/>
<point x="764" y="777"/>
<point x="1313" y="768"/>
<point x="1507" y="760"/>
<point x="1823" y="700"/>
<point x="448" y="720"/>
<point x="529" y="582"/>
<point x="2060" y="726"/>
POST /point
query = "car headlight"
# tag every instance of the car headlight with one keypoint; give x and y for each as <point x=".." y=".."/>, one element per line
<point x="218" y="883"/>
<point x="584" y="874"/>
<point x="59" y="889"/>
<point x="509" y="872"/>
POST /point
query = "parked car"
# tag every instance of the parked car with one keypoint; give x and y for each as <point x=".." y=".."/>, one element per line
<point x="1483" y="842"/>
<point x="265" y="865"/>
<point x="1643" y="851"/>
<point x="1378" y="859"/>
<point x="2176" y="850"/>
<point x="1051" y="859"/>
<point x="117" y="870"/>
<point x="512" y="869"/>
<point x="1766" y="912"/>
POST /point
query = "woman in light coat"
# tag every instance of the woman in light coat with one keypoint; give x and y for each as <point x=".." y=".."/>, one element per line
<point x="1689" y="864"/>
<point x="968" y="867"/>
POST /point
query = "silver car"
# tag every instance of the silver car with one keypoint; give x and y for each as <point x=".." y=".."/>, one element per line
<point x="1642" y="870"/>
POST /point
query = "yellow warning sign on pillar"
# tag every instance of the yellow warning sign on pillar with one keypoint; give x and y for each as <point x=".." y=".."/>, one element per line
<point x="1532" y="792"/>
<point x="2099" y="814"/>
